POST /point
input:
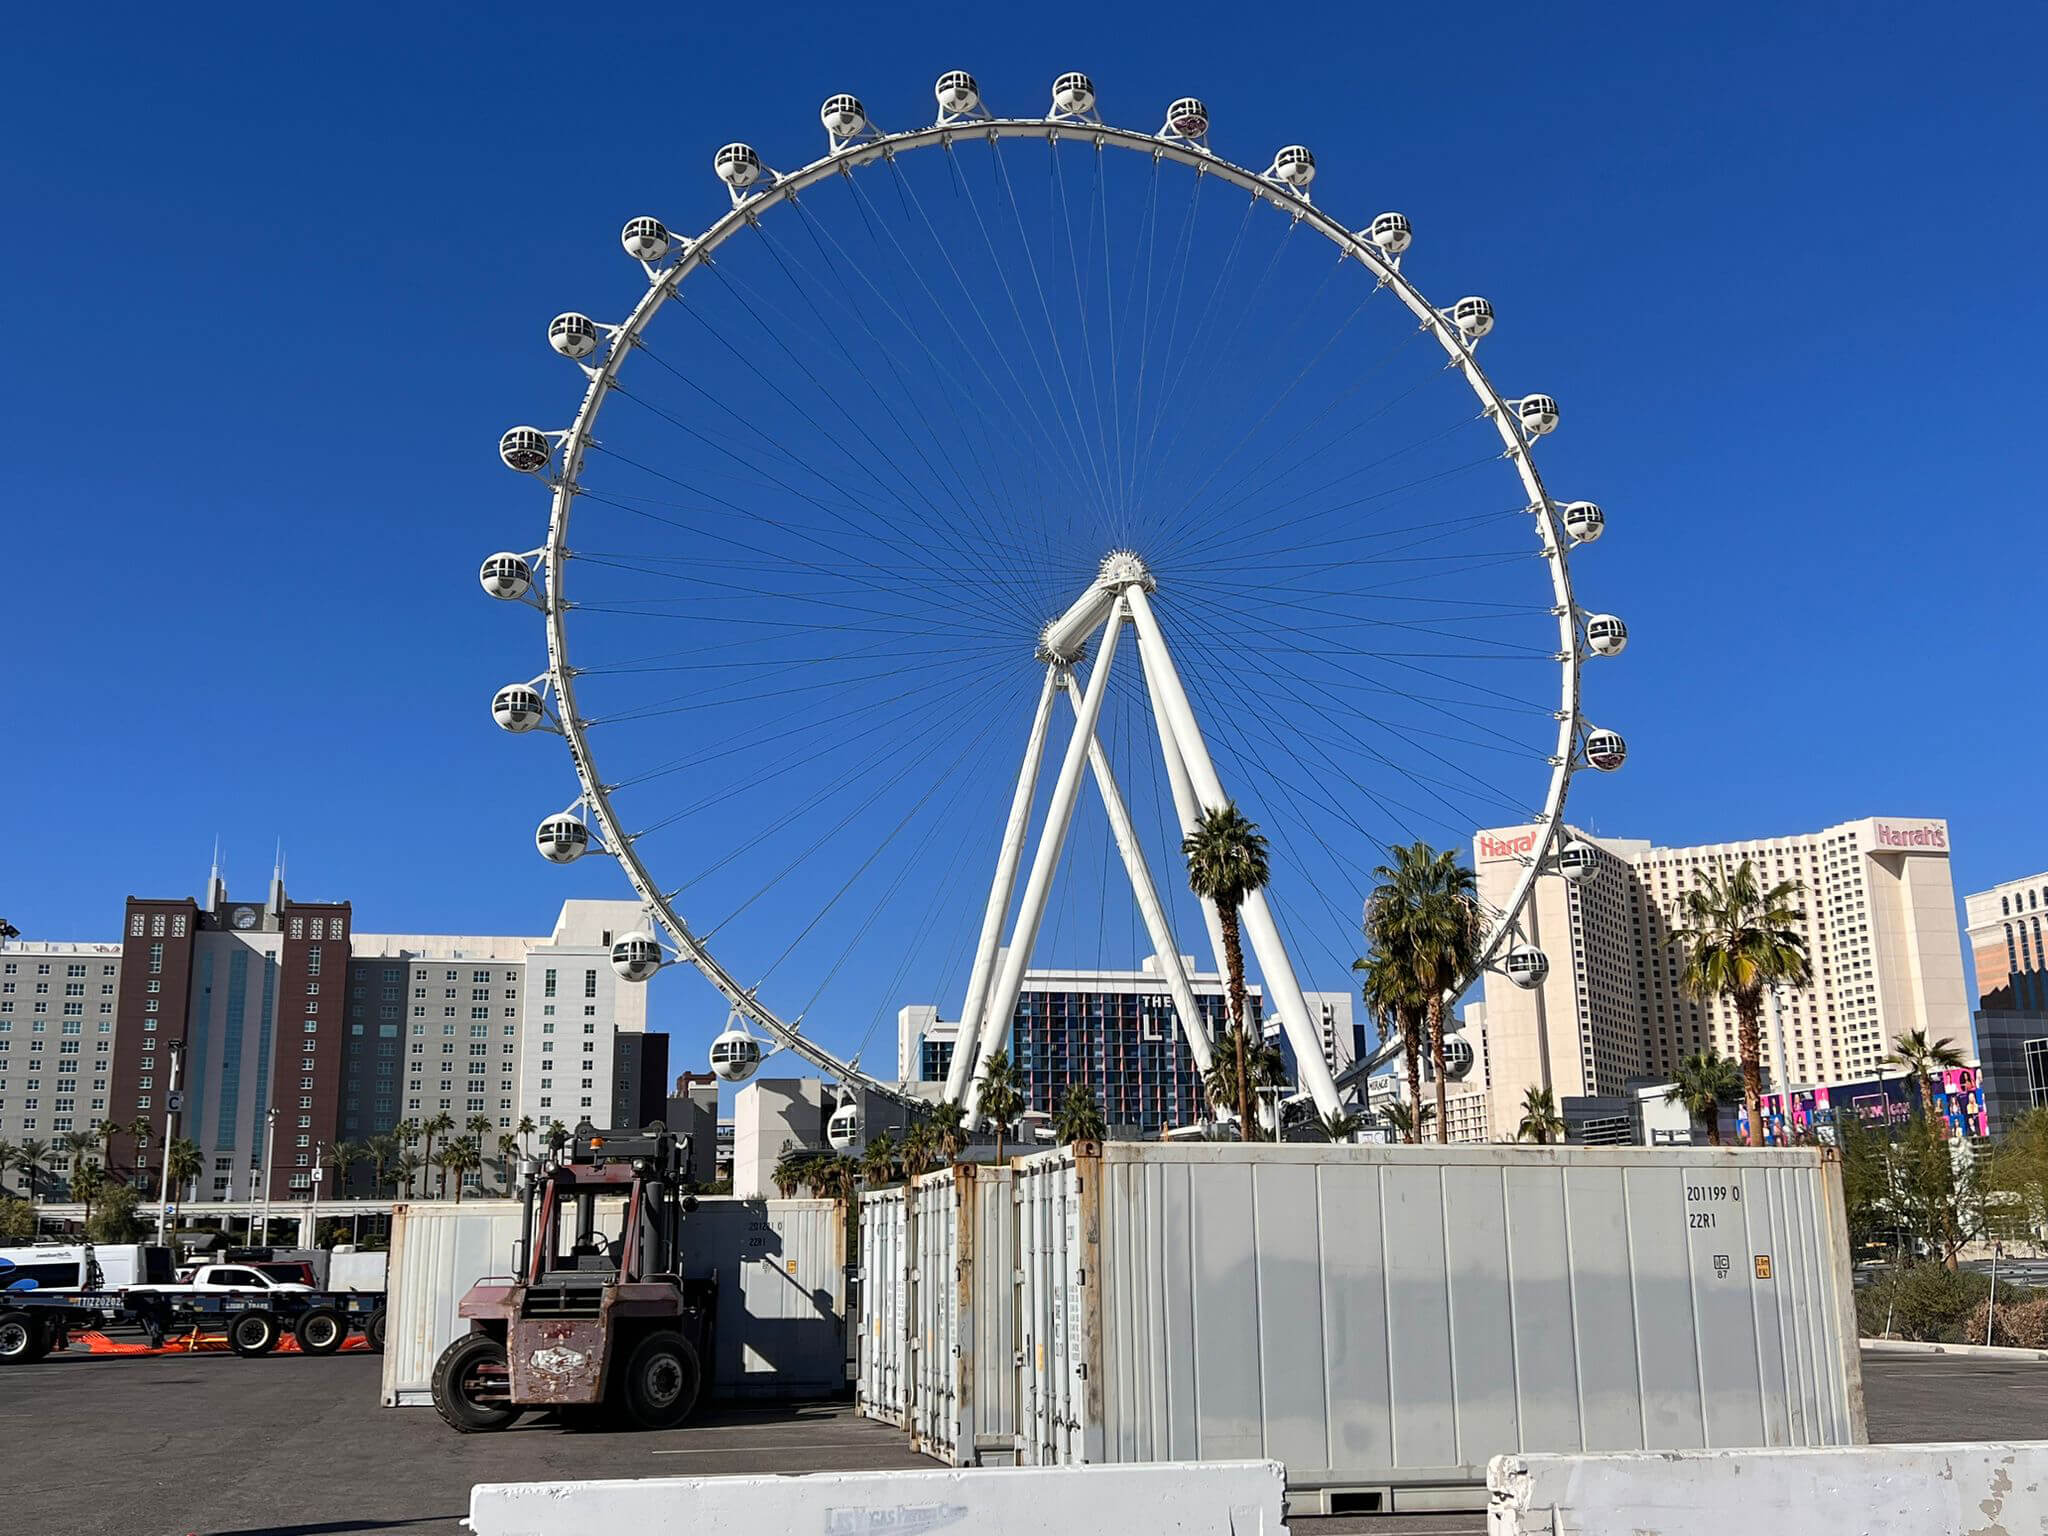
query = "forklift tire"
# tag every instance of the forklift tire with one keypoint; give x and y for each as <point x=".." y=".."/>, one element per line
<point x="662" y="1379"/>
<point x="23" y="1338"/>
<point x="454" y="1376"/>
<point x="320" y="1331"/>
<point x="373" y="1330"/>
<point x="253" y="1333"/>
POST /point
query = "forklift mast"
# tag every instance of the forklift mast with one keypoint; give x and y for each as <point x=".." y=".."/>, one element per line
<point x="646" y="1167"/>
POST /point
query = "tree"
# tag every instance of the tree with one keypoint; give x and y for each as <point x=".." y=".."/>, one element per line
<point x="1227" y="862"/>
<point x="183" y="1160"/>
<point x="1541" y="1123"/>
<point x="440" y="1125"/>
<point x="920" y="1148"/>
<point x="17" y="1221"/>
<point x="835" y="1178"/>
<point x="1079" y="1116"/>
<point x="1338" y="1125"/>
<point x="1424" y="913"/>
<point x="790" y="1168"/>
<point x="508" y="1147"/>
<point x="143" y="1132"/>
<point x="1923" y="1059"/>
<point x="407" y="1132"/>
<point x="949" y="1130"/>
<point x="1740" y="940"/>
<point x="878" y="1160"/>
<point x="480" y="1128"/>
<point x="88" y="1183"/>
<point x="1243" y="1063"/>
<point x="409" y="1165"/>
<point x="461" y="1158"/>
<point x="1404" y="1122"/>
<point x="522" y="1130"/>
<point x="383" y="1152"/>
<point x="78" y="1146"/>
<point x="28" y="1159"/>
<point x="1390" y="993"/>
<point x="1705" y="1081"/>
<point x="1002" y="1094"/>
<point x="8" y="1152"/>
<point x="115" y="1221"/>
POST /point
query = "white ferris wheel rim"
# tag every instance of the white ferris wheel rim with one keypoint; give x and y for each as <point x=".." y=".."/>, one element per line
<point x="845" y="157"/>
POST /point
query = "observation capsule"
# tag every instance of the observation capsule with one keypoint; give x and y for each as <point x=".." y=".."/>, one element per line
<point x="645" y="239"/>
<point x="518" y="708"/>
<point x="525" y="449"/>
<point x="1295" y="166"/>
<point x="1577" y="860"/>
<point x="573" y="335"/>
<point x="1473" y="316"/>
<point x="636" y="955"/>
<point x="737" y="166"/>
<point x="1458" y="1058"/>
<point x="843" y="1129"/>
<point x="1605" y="750"/>
<point x="1188" y="117"/>
<point x="957" y="92"/>
<point x="1584" y="521"/>
<point x="1391" y="232"/>
<point x="506" y="576"/>
<point x="843" y="116"/>
<point x="1605" y="634"/>
<point x="1537" y="414"/>
<point x="1526" y="966"/>
<point x="1073" y="94"/>
<point x="735" y="1055"/>
<point x="562" y="839"/>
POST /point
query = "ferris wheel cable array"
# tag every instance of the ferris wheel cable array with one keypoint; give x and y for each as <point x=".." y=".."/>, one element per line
<point x="1036" y="425"/>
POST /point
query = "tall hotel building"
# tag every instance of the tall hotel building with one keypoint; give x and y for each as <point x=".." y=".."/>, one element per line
<point x="2009" y="939"/>
<point x="1880" y="931"/>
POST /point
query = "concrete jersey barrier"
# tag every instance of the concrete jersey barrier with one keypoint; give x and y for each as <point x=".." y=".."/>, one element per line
<point x="1237" y="1498"/>
<point x="1876" y="1490"/>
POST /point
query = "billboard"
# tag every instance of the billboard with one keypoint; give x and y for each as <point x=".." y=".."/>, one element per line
<point x="1809" y="1114"/>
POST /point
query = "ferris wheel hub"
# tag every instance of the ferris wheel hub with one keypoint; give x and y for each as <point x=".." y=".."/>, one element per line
<point x="1123" y="568"/>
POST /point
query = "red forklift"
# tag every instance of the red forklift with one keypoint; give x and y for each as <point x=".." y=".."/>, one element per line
<point x="607" y="1327"/>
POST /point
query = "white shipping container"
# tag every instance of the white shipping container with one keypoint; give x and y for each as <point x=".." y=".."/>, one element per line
<point x="884" y="1323"/>
<point x="1386" y="1319"/>
<point x="964" y="1325"/>
<point x="354" y="1269"/>
<point x="780" y="1329"/>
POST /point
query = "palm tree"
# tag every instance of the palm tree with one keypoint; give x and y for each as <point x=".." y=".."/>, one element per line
<point x="920" y="1148"/>
<point x="1541" y="1123"/>
<point x="407" y="1131"/>
<point x="101" y="1136"/>
<point x="409" y="1164"/>
<point x="835" y="1178"/>
<point x="459" y="1157"/>
<point x="382" y="1151"/>
<point x="8" y="1151"/>
<point x="28" y="1158"/>
<point x="948" y="1130"/>
<point x="1243" y="1063"/>
<point x="182" y="1157"/>
<point x="1704" y="1082"/>
<point x="522" y="1130"/>
<point x="878" y="1161"/>
<point x="1740" y="940"/>
<point x="1226" y="863"/>
<point x="508" y="1144"/>
<point x="1425" y="912"/>
<point x="1079" y="1117"/>
<point x="790" y="1168"/>
<point x="1390" y="993"/>
<point x="479" y="1128"/>
<point x="1923" y="1058"/>
<point x="442" y="1124"/>
<point x="143" y="1132"/>
<point x="1404" y="1122"/>
<point x="78" y="1145"/>
<point x="88" y="1181"/>
<point x="1002" y="1094"/>
<point x="1338" y="1126"/>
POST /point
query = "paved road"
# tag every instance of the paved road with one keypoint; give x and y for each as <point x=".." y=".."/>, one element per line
<point x="213" y="1445"/>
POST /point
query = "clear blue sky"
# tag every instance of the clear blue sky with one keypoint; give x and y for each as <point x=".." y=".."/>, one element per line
<point x="276" y="281"/>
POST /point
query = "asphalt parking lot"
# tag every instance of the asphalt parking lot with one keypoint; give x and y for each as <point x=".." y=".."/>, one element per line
<point x="214" y="1445"/>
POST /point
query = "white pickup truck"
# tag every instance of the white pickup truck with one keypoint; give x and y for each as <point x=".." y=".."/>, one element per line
<point x="225" y="1280"/>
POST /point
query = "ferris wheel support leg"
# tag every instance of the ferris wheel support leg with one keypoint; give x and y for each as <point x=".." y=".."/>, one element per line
<point x="1163" y="944"/>
<point x="1052" y="837"/>
<point x="1188" y="809"/>
<point x="1000" y="890"/>
<point x="1178" y="718"/>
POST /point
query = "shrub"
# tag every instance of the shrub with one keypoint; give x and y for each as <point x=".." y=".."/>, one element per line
<point x="2020" y="1324"/>
<point x="1929" y="1303"/>
<point x="17" y="1221"/>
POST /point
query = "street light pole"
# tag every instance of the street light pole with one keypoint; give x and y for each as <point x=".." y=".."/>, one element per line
<point x="269" y="1150"/>
<point x="171" y="1105"/>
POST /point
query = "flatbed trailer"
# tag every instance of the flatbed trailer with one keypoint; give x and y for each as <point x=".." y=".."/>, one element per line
<point x="32" y="1323"/>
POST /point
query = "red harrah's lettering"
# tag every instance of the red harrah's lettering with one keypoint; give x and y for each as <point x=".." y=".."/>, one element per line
<point x="1491" y="847"/>
<point x="1911" y="837"/>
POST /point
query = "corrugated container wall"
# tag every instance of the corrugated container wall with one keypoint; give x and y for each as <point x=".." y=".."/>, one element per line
<point x="1385" y="1319"/>
<point x="964" y="1325"/>
<point x="781" y="1290"/>
<point x="885" y="1278"/>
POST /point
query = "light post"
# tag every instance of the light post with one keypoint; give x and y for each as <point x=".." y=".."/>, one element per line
<point x="269" y="1149"/>
<point x="313" y="1193"/>
<point x="173" y="1102"/>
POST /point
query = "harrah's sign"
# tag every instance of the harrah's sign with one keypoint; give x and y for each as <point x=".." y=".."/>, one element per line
<point x="1519" y="846"/>
<point x="1932" y="837"/>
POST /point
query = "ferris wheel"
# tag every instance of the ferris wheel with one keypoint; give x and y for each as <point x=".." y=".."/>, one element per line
<point x="892" y="456"/>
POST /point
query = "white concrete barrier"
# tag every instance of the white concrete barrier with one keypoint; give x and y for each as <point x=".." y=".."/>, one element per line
<point x="1229" y="1498"/>
<point x="1868" y="1490"/>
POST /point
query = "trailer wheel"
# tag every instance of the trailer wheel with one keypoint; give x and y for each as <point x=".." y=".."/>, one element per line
<point x="373" y="1330"/>
<point x="662" y="1380"/>
<point x="472" y="1386"/>
<point x="23" y="1338"/>
<point x="320" y="1331"/>
<point x="253" y="1333"/>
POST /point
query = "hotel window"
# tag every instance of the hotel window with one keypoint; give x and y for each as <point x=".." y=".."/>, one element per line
<point x="298" y="927"/>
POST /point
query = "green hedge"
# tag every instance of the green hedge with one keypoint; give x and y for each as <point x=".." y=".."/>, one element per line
<point x="1931" y="1304"/>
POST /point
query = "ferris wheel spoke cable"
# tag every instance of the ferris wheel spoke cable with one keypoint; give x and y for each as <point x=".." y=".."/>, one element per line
<point x="1056" y="176"/>
<point x="1172" y="301"/>
<point x="1429" y="532"/>
<point x="691" y="702"/>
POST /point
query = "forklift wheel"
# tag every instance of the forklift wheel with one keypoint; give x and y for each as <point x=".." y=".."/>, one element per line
<point x="373" y="1330"/>
<point x="320" y="1331"/>
<point x="23" y="1338"/>
<point x="471" y="1385"/>
<point x="253" y="1333"/>
<point x="661" y="1382"/>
